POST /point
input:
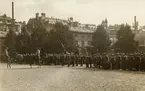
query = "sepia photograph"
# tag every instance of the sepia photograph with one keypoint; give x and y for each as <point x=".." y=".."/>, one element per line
<point x="72" y="45"/>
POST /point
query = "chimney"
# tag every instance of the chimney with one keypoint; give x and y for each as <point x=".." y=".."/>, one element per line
<point x="135" y="24"/>
<point x="13" y="19"/>
<point x="13" y="10"/>
<point x="135" y="20"/>
<point x="43" y="16"/>
<point x="37" y="16"/>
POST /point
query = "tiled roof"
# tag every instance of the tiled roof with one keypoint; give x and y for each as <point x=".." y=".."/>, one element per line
<point x="4" y="18"/>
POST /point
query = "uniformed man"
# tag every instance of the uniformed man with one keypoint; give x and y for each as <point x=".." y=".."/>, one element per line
<point x="99" y="61"/>
<point x="68" y="60"/>
<point x="118" y="61"/>
<point x="38" y="58"/>
<point x="31" y="58"/>
<point x="142" y="63"/>
<point x="81" y="60"/>
<point x="112" y="60"/>
<point x="73" y="60"/>
<point x="8" y="58"/>
<point x="87" y="61"/>
<point x="106" y="63"/>
<point x="94" y="61"/>
<point x="90" y="61"/>
<point x="77" y="59"/>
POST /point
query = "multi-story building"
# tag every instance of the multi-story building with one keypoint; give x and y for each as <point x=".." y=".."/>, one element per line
<point x="140" y="37"/>
<point x="83" y="38"/>
<point x="82" y="32"/>
<point x="112" y="31"/>
<point x="5" y="25"/>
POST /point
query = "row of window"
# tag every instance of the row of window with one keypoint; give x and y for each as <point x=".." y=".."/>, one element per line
<point x="82" y="43"/>
<point x="88" y="36"/>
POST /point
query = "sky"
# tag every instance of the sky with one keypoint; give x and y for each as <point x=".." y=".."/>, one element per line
<point x="84" y="11"/>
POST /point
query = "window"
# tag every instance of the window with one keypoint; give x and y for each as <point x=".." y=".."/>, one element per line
<point x="82" y="36"/>
<point x="76" y="35"/>
<point x="82" y="43"/>
<point x="89" y="42"/>
<point x="76" y="42"/>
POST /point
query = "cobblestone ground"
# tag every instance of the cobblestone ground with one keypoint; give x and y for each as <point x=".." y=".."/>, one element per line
<point x="51" y="78"/>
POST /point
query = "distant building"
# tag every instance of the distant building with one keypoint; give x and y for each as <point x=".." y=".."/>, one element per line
<point x="47" y="22"/>
<point x="112" y="31"/>
<point x="140" y="37"/>
<point x="82" y="32"/>
<point x="5" y="24"/>
<point x="105" y="23"/>
<point x="83" y="38"/>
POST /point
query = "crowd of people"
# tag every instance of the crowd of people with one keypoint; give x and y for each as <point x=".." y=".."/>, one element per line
<point x="124" y="61"/>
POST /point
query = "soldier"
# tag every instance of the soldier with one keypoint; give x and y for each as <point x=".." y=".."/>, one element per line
<point x="46" y="59"/>
<point x="136" y="62"/>
<point x="61" y="59"/>
<point x="90" y="61"/>
<point x="99" y="60"/>
<point x="68" y="61"/>
<point x="142" y="63"/>
<point x="31" y="59"/>
<point x="73" y="60"/>
<point x="8" y="58"/>
<point x="106" y="63"/>
<point x="38" y="58"/>
<point x="64" y="59"/>
<point x="118" y="61"/>
<point x="54" y="59"/>
<point x="51" y="59"/>
<point x="113" y="61"/>
<point x="87" y="61"/>
<point x="95" y="61"/>
<point x="124" y="62"/>
<point x="81" y="60"/>
<point x="77" y="60"/>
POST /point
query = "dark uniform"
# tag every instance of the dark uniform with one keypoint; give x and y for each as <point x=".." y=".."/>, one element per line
<point x="77" y="60"/>
<point x="106" y="63"/>
<point x="72" y="60"/>
<point x="90" y="61"/>
<point x="81" y="60"/>
<point x="113" y="61"/>
<point x="68" y="60"/>
<point x="142" y="63"/>
<point x="99" y="61"/>
<point x="118" y="62"/>
<point x="87" y="61"/>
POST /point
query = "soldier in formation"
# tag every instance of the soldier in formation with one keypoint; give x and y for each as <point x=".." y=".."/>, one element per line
<point x="116" y="61"/>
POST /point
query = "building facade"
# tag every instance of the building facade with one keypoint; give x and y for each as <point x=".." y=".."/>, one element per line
<point x="5" y="26"/>
<point x="82" y="32"/>
<point x="83" y="39"/>
<point x="140" y="37"/>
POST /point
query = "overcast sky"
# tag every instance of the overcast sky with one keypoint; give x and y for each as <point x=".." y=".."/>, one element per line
<point x="85" y="11"/>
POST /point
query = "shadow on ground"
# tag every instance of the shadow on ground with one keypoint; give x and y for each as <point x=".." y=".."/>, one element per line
<point x="109" y="70"/>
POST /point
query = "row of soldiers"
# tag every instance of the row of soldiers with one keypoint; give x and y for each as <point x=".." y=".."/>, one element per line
<point x="134" y="61"/>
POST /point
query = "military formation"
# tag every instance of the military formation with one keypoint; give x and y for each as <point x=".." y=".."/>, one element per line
<point x="116" y="61"/>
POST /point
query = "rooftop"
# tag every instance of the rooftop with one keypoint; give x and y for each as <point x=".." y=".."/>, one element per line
<point x="81" y="30"/>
